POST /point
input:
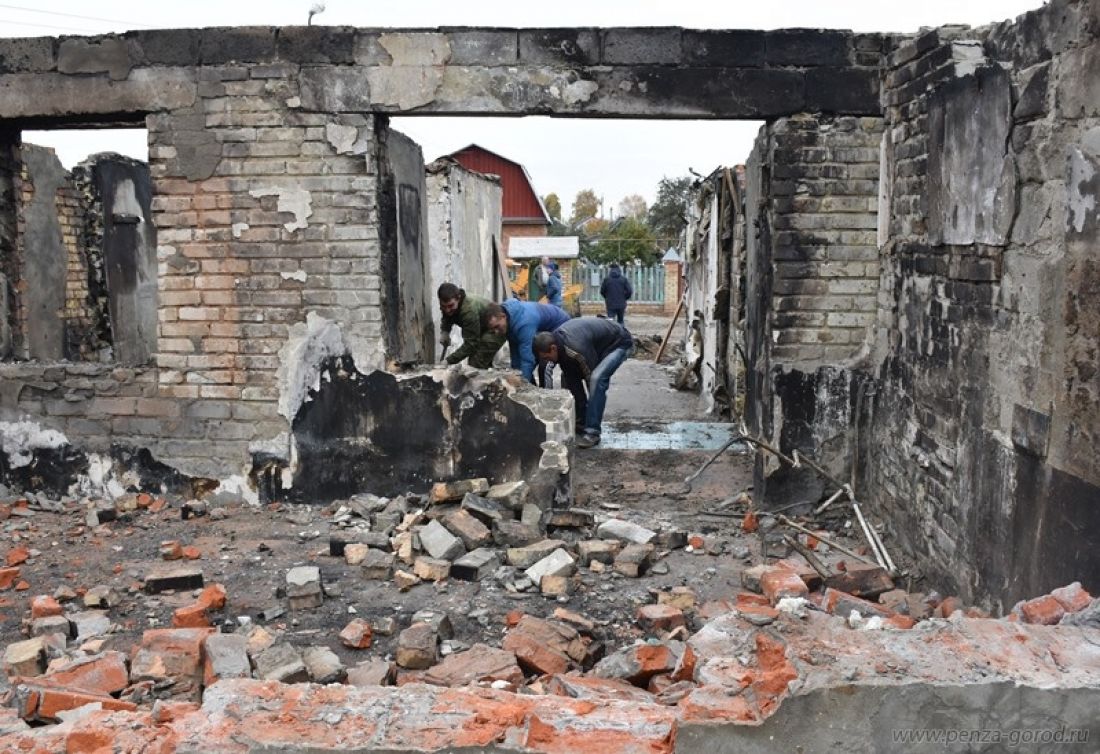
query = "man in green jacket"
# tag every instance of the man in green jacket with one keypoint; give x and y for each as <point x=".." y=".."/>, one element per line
<point x="479" y="343"/>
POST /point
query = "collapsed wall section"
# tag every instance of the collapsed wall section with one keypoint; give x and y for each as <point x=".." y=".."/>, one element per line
<point x="983" y="447"/>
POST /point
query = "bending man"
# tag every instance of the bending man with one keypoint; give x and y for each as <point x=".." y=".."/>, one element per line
<point x="478" y="343"/>
<point x="589" y="350"/>
<point x="519" y="321"/>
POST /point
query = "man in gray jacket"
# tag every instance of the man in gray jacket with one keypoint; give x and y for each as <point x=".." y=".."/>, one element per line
<point x="588" y="350"/>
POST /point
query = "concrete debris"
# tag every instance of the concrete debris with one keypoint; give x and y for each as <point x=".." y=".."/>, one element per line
<point x="303" y="588"/>
<point x="625" y="531"/>
<point x="417" y="647"/>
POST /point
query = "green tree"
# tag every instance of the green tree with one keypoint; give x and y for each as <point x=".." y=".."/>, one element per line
<point x="625" y="241"/>
<point x="633" y="206"/>
<point x="585" y="205"/>
<point x="668" y="215"/>
<point x="553" y="206"/>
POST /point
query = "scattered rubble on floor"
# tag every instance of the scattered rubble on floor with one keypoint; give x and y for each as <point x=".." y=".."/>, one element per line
<point x="167" y="647"/>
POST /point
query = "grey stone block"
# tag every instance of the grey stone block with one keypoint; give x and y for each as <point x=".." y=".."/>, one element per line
<point x="27" y="55"/>
<point x="281" y="662"/>
<point x="226" y="657"/>
<point x="625" y="531"/>
<point x="559" y="46"/>
<point x="806" y="47"/>
<point x="317" y="44"/>
<point x="476" y="565"/>
<point x="323" y="665"/>
<point x="440" y="543"/>
<point x="737" y="48"/>
<point x="175" y="47"/>
<point x="94" y="55"/>
<point x="648" y="46"/>
<point x="490" y="47"/>
<point x="243" y="44"/>
<point x="330" y="90"/>
<point x="557" y="563"/>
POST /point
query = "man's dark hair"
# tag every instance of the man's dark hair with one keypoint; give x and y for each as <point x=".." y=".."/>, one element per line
<point x="448" y="291"/>
<point x="492" y="309"/>
<point x="542" y="342"/>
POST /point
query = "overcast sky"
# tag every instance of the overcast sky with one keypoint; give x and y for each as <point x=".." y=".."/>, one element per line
<point x="613" y="157"/>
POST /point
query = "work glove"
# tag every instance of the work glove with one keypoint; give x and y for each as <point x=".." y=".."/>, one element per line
<point x="445" y="339"/>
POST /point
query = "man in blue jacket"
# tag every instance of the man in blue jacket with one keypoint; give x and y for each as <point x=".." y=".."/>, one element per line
<point x="520" y="321"/>
<point x="554" y="286"/>
<point x="616" y="291"/>
<point x="588" y="350"/>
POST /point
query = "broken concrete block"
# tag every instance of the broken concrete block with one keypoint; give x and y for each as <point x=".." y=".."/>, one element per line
<point x="543" y="646"/>
<point x="531" y="515"/>
<point x="376" y="565"/>
<point x="659" y="617"/>
<point x="438" y="620"/>
<point x="103" y="596"/>
<point x="281" y="662"/>
<point x="432" y="569"/>
<point x="177" y="577"/>
<point x="576" y="620"/>
<point x="843" y="604"/>
<point x="405" y="580"/>
<point x="90" y="623"/>
<point x="625" y="531"/>
<point x="476" y="565"/>
<point x="569" y="518"/>
<point x="371" y="673"/>
<point x="25" y="658"/>
<point x="778" y="582"/>
<point x="525" y="557"/>
<point x="553" y="585"/>
<point x="257" y="638"/>
<point x="404" y="546"/>
<point x="750" y="577"/>
<point x="49" y="704"/>
<point x="512" y="533"/>
<point x="357" y="634"/>
<point x="639" y="663"/>
<point x="303" y="588"/>
<point x="865" y="581"/>
<point x="417" y="647"/>
<point x="438" y="542"/>
<point x="171" y="550"/>
<point x="671" y="539"/>
<point x="633" y="560"/>
<point x="468" y="528"/>
<point x="104" y="673"/>
<point x="355" y="553"/>
<point x="478" y="664"/>
<point x="603" y="550"/>
<point x="53" y="624"/>
<point x="512" y="495"/>
<point x="446" y="492"/>
<point x="557" y="563"/>
<point x="323" y="665"/>
<point x="225" y="656"/>
<point x="486" y="510"/>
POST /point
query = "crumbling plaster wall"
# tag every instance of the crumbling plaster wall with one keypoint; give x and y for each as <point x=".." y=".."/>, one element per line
<point x="464" y="221"/>
<point x="984" y="450"/>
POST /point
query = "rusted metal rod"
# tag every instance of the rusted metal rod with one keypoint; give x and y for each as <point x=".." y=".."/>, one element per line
<point x="831" y="543"/>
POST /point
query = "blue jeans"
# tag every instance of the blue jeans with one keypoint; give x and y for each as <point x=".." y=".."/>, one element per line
<point x="597" y="388"/>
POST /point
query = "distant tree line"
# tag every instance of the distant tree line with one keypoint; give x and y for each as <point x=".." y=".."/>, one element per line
<point x="635" y="233"/>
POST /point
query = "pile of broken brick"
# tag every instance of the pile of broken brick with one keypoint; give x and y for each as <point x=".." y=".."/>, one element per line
<point x="690" y="658"/>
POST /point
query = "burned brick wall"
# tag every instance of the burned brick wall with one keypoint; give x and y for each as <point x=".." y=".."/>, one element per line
<point x="9" y="168"/>
<point x="278" y="195"/>
<point x="982" y="446"/>
<point x="811" y="292"/>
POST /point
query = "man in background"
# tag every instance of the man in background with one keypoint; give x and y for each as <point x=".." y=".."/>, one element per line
<point x="616" y="291"/>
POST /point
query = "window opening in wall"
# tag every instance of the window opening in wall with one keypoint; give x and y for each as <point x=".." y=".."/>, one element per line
<point x="77" y="247"/>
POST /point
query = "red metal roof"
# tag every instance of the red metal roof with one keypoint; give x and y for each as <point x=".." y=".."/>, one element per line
<point x="521" y="203"/>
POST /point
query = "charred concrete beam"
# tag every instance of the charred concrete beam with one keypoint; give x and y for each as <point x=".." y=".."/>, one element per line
<point x="630" y="72"/>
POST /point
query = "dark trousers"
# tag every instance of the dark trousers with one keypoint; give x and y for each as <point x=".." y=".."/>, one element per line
<point x="616" y="314"/>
